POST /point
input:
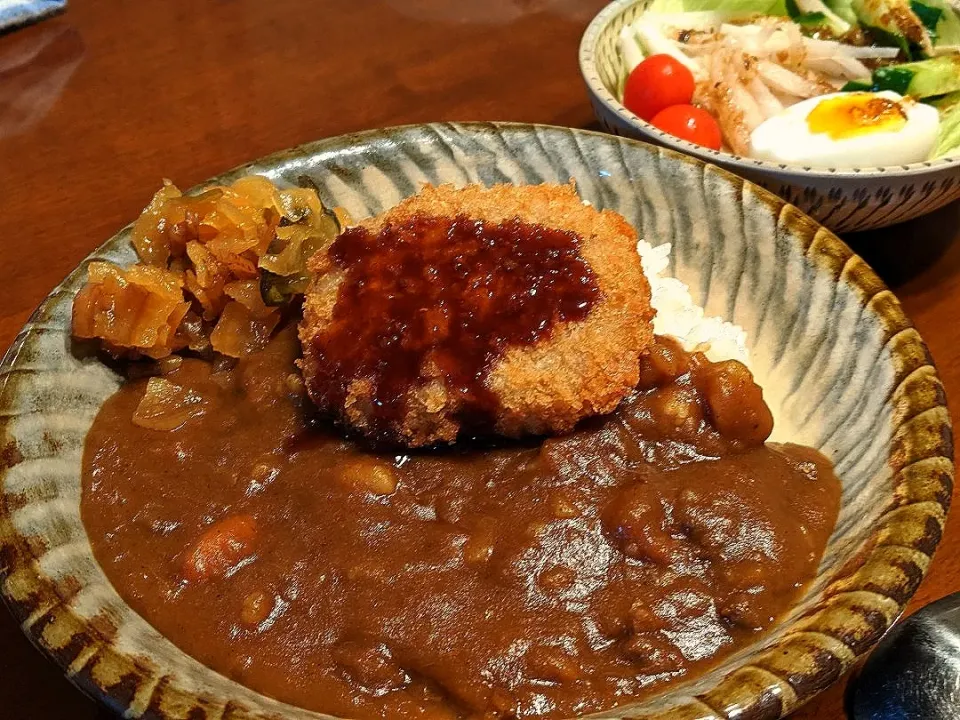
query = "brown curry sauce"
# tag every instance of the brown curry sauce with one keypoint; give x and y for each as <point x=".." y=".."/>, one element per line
<point x="554" y="577"/>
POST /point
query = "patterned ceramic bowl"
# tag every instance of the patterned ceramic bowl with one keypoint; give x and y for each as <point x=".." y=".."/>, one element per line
<point x="845" y="200"/>
<point x="842" y="367"/>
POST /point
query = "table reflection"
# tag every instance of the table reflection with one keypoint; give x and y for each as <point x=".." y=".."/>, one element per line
<point x="35" y="67"/>
<point x="490" y="12"/>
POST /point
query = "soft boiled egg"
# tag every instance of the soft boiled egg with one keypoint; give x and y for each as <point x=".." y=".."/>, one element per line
<point x="848" y="129"/>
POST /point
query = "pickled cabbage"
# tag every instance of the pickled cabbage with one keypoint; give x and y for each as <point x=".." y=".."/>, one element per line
<point x="207" y="263"/>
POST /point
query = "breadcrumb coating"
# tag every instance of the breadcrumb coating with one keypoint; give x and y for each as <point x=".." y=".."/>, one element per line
<point x="581" y="368"/>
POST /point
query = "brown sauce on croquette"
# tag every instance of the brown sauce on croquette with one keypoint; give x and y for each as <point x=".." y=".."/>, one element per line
<point x="546" y="578"/>
<point x="442" y="298"/>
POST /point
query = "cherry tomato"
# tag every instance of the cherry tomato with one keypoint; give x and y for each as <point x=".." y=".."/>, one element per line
<point x="689" y="123"/>
<point x="657" y="83"/>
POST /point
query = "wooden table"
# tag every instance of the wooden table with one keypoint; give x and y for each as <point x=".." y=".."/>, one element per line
<point x="99" y="104"/>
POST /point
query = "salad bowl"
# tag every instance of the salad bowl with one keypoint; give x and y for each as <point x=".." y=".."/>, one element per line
<point x="845" y="199"/>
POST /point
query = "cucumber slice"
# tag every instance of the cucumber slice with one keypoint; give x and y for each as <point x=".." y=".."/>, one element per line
<point x="922" y="79"/>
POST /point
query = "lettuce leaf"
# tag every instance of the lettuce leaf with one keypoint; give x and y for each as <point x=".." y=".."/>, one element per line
<point x="816" y="15"/>
<point x="947" y="29"/>
<point x="732" y="7"/>
<point x="948" y="139"/>
<point x="843" y="9"/>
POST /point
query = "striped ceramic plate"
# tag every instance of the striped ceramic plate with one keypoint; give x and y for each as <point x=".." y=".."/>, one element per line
<point x="842" y="366"/>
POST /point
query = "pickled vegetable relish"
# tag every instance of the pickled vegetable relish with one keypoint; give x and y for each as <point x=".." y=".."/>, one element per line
<point x="214" y="271"/>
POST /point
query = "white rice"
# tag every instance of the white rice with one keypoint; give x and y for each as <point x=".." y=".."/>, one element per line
<point x="677" y="315"/>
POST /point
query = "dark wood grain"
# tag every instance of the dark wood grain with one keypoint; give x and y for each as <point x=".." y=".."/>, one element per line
<point x="97" y="105"/>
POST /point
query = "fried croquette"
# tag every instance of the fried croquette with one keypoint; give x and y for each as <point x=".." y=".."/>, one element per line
<point x="511" y="309"/>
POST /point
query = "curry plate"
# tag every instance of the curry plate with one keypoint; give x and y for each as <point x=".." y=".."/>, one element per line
<point x="842" y="367"/>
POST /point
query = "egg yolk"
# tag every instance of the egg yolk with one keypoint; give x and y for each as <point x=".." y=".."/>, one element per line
<point x="856" y="114"/>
